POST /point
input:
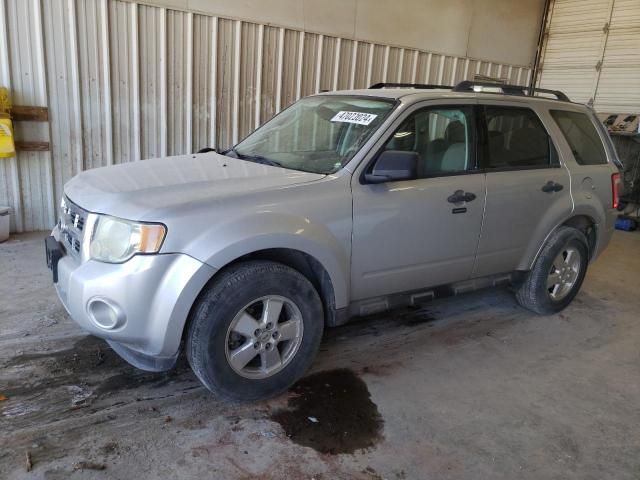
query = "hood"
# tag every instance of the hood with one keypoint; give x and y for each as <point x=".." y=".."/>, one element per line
<point x="145" y="189"/>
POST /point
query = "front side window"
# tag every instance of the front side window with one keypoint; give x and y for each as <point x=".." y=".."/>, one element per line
<point x="581" y="136"/>
<point x="316" y="134"/>
<point x="442" y="138"/>
<point x="516" y="138"/>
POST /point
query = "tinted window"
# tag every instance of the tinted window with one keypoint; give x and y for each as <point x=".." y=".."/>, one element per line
<point x="516" y="139"/>
<point x="442" y="137"/>
<point x="581" y="136"/>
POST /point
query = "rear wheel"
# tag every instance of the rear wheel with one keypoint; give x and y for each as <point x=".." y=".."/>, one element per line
<point x="557" y="274"/>
<point x="255" y="331"/>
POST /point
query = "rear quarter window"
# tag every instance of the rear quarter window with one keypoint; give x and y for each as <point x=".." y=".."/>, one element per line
<point x="581" y="135"/>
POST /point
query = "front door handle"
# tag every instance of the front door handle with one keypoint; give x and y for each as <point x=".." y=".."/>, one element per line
<point x="551" y="186"/>
<point x="460" y="196"/>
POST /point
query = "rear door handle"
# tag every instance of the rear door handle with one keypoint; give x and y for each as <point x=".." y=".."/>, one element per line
<point x="460" y="196"/>
<point x="551" y="186"/>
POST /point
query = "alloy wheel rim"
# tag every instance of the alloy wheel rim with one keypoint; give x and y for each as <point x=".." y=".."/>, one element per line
<point x="263" y="337"/>
<point x="564" y="273"/>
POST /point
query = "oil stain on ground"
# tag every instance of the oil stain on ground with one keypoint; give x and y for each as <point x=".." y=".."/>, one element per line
<point x="332" y="412"/>
<point x="90" y="361"/>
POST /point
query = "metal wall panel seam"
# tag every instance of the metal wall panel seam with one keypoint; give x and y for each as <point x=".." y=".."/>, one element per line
<point x="400" y="65"/>
<point x="441" y="70"/>
<point x="236" y="82"/>
<point x="414" y="66"/>
<point x="279" y="69"/>
<point x="427" y="74"/>
<point x="454" y="69"/>
<point x="75" y="86"/>
<point x="135" y="83"/>
<point x="213" y="137"/>
<point x="336" y="64"/>
<point x="385" y="64"/>
<point x="106" y="72"/>
<point x="5" y="68"/>
<point x="39" y="29"/>
<point x="318" y="64"/>
<point x="258" y="87"/>
<point x="370" y="64"/>
<point x="300" y="63"/>
<point x="188" y="133"/>
<point x="163" y="82"/>
<point x="354" y="63"/>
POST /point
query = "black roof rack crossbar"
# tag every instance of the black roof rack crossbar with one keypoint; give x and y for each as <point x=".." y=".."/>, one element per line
<point x="507" y="89"/>
<point x="410" y="85"/>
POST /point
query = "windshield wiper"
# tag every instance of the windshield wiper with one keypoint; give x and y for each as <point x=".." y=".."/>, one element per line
<point x="254" y="158"/>
<point x="261" y="159"/>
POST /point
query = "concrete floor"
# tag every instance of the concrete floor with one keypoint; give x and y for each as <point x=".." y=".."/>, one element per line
<point x="468" y="388"/>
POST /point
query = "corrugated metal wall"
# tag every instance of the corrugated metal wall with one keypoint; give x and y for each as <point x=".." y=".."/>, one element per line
<point x="592" y="53"/>
<point x="125" y="82"/>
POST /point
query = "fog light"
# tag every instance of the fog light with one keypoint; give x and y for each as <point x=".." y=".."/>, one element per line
<point x="105" y="314"/>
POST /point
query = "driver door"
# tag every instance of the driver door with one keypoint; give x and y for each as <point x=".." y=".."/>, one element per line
<point x="411" y="234"/>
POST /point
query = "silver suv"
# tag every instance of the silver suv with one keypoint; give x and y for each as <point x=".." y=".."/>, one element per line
<point x="345" y="204"/>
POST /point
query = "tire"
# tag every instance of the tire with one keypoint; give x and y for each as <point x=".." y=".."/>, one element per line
<point x="216" y="349"/>
<point x="539" y="291"/>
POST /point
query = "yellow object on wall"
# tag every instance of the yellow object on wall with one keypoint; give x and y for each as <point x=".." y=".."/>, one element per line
<point x="7" y="144"/>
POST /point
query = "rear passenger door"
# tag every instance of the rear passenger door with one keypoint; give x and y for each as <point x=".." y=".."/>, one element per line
<point x="528" y="188"/>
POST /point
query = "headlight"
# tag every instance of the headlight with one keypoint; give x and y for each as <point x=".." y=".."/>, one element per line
<point x="115" y="240"/>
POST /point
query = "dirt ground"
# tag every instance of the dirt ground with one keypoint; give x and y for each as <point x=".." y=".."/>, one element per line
<point x="470" y="387"/>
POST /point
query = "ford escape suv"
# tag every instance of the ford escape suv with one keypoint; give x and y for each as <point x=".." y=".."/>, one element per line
<point x="345" y="204"/>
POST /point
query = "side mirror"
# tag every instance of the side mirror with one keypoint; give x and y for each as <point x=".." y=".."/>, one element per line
<point x="393" y="165"/>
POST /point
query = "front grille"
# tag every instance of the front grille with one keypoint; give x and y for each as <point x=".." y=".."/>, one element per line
<point x="72" y="225"/>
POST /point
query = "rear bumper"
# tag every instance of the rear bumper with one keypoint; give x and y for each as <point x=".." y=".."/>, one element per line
<point x="146" y="299"/>
<point x="605" y="232"/>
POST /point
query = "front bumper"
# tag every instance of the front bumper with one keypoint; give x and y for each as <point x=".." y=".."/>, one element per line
<point x="151" y="294"/>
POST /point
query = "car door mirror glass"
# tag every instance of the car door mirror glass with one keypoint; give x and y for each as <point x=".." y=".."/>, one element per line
<point x="393" y="165"/>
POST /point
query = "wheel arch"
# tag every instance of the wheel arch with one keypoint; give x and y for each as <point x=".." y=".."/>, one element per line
<point x="306" y="264"/>
<point x="588" y="226"/>
<point x="303" y="262"/>
<point x="582" y="222"/>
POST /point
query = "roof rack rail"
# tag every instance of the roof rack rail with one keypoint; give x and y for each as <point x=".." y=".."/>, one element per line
<point x="410" y="85"/>
<point x="468" y="86"/>
<point x="508" y="89"/>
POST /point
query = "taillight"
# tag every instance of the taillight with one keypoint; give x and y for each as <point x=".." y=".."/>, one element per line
<point x="615" y="190"/>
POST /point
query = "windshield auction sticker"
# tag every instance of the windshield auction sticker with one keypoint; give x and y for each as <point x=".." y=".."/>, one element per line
<point x="354" y="117"/>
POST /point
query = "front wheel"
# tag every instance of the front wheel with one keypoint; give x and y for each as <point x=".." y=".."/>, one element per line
<point x="557" y="274"/>
<point x="255" y="330"/>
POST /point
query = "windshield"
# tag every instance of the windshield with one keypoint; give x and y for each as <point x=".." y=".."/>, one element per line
<point x="317" y="134"/>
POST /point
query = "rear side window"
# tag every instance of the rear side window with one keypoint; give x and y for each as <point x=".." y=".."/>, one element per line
<point x="516" y="138"/>
<point x="581" y="136"/>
